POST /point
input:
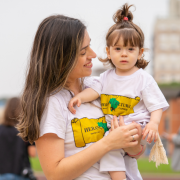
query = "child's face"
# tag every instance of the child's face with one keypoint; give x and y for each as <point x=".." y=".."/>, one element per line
<point x="124" y="57"/>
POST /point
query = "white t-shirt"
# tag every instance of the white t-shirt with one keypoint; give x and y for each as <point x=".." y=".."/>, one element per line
<point x="134" y="96"/>
<point x="79" y="131"/>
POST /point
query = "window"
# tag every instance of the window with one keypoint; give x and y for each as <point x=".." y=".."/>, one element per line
<point x="162" y="27"/>
<point x="174" y="27"/>
<point x="162" y="57"/>
<point x="174" y="38"/>
<point x="163" y="37"/>
<point x="163" y="46"/>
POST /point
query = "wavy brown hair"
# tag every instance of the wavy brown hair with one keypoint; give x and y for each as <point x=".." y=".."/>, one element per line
<point x="130" y="32"/>
<point x="11" y="112"/>
<point x="53" y="56"/>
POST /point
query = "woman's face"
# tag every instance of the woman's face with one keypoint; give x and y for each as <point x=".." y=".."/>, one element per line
<point x="83" y="67"/>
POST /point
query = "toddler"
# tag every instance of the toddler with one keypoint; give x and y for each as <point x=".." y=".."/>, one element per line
<point x="126" y="89"/>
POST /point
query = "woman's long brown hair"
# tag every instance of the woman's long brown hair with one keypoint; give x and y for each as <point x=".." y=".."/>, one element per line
<point x="54" y="54"/>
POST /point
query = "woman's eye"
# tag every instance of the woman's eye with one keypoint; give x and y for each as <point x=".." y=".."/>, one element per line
<point x="83" y="53"/>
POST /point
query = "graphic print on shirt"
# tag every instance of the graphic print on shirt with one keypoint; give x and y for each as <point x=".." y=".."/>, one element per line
<point x="88" y="130"/>
<point x="118" y="105"/>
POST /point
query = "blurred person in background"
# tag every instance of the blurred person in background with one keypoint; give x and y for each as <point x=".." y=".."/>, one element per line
<point x="14" y="152"/>
<point x="175" y="139"/>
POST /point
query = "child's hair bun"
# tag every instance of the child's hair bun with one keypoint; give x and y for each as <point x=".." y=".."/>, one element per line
<point x="123" y="12"/>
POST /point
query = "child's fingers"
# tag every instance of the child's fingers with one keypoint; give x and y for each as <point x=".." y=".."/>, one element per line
<point x="145" y="134"/>
<point x="73" y="110"/>
<point x="144" y="130"/>
<point x="78" y="103"/>
<point x="152" y="137"/>
<point x="149" y="136"/>
<point x="156" y="137"/>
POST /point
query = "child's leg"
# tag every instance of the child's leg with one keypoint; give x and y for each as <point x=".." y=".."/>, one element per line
<point x="117" y="175"/>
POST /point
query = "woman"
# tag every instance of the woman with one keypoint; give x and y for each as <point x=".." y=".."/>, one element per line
<point x="69" y="146"/>
<point x="14" y="153"/>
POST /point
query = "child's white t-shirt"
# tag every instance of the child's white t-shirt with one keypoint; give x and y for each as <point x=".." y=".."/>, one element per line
<point x="134" y="96"/>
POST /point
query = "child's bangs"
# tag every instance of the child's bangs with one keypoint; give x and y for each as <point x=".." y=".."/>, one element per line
<point x="130" y="38"/>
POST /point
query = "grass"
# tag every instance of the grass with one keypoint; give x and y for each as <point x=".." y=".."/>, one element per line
<point x="143" y="164"/>
<point x="149" y="167"/>
<point x="170" y="85"/>
<point x="35" y="164"/>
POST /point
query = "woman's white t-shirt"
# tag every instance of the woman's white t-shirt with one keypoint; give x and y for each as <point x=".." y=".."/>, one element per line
<point x="79" y="131"/>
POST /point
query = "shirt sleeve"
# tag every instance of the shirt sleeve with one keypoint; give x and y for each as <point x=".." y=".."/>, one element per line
<point x="52" y="120"/>
<point x="153" y="97"/>
<point x="96" y="83"/>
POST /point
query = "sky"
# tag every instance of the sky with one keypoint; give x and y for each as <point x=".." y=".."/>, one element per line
<point x="19" y="20"/>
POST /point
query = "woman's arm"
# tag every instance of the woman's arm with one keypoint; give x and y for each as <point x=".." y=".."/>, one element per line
<point x="50" y="150"/>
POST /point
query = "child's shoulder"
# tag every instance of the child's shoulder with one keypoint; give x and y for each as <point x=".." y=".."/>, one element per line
<point x="145" y="78"/>
<point x="145" y="75"/>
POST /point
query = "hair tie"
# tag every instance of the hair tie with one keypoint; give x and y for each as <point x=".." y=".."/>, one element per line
<point x="125" y="18"/>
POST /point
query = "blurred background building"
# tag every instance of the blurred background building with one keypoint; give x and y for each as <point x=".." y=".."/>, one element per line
<point x="167" y="46"/>
<point x="166" y="68"/>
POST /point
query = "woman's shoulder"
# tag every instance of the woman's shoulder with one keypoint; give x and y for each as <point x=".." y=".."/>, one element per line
<point x="60" y="98"/>
<point x="54" y="117"/>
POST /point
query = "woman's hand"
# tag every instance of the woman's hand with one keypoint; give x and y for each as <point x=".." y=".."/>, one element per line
<point x="130" y="150"/>
<point x="122" y="136"/>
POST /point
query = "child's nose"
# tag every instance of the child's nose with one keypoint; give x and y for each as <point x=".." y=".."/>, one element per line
<point x="124" y="52"/>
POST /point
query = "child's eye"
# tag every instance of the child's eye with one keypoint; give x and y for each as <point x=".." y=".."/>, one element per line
<point x="118" y="49"/>
<point x="131" y="49"/>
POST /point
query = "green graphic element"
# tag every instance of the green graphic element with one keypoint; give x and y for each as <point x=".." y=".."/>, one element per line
<point x="114" y="103"/>
<point x="103" y="125"/>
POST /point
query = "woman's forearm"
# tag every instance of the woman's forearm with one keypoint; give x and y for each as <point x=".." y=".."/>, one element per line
<point x="71" y="167"/>
<point x="51" y="149"/>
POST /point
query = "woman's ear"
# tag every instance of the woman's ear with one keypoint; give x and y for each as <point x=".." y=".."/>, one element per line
<point x="140" y="53"/>
<point x="108" y="52"/>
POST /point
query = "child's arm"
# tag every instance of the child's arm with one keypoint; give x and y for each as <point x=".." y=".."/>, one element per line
<point x="152" y="126"/>
<point x="86" y="95"/>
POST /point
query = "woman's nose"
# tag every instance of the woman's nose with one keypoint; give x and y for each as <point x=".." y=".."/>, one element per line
<point x="92" y="54"/>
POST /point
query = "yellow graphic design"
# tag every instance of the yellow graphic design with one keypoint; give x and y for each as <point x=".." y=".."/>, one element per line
<point x="118" y="105"/>
<point x="88" y="130"/>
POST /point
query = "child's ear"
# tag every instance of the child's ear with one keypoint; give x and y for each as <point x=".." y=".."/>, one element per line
<point x="108" y="52"/>
<point x="140" y="53"/>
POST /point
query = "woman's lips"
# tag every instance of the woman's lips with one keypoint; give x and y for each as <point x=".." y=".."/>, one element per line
<point x="88" y="65"/>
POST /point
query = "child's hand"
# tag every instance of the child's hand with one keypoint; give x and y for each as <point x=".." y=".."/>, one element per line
<point x="152" y="130"/>
<point x="74" y="101"/>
